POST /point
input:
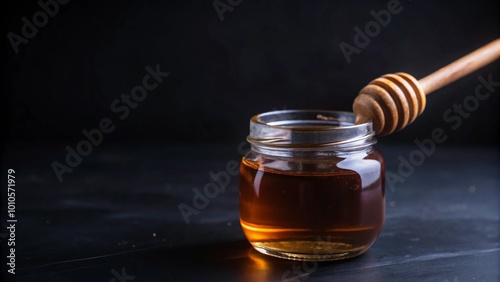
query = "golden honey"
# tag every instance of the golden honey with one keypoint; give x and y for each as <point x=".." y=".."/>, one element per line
<point x="307" y="202"/>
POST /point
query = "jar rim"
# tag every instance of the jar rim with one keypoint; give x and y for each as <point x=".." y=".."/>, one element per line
<point x="309" y="130"/>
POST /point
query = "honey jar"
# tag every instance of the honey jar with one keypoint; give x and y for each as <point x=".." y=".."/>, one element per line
<point x="312" y="185"/>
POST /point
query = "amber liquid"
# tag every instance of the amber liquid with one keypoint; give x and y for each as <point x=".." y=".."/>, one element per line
<point x="310" y="216"/>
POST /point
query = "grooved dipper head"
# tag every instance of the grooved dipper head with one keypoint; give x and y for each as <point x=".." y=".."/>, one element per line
<point x="391" y="102"/>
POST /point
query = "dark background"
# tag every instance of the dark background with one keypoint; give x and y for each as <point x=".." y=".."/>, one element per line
<point x="118" y="208"/>
<point x="264" y="55"/>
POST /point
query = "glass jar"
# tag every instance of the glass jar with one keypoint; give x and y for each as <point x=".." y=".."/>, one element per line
<point x="312" y="185"/>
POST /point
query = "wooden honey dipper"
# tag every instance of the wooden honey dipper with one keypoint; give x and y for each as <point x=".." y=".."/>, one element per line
<point x="393" y="101"/>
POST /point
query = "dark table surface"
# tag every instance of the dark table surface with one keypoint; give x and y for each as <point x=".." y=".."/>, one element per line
<point x="116" y="218"/>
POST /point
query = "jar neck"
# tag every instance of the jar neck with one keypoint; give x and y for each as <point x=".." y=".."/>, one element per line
<point x="314" y="151"/>
<point x="309" y="133"/>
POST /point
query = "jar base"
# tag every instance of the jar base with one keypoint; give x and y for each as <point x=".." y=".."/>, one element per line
<point x="305" y="250"/>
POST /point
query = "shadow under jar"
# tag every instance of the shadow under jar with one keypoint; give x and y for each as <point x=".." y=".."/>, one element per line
<point x="312" y="185"/>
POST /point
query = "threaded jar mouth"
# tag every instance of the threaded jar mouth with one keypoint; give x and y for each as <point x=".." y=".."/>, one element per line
<point x="319" y="130"/>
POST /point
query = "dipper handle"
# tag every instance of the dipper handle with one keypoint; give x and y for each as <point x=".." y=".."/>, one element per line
<point x="393" y="101"/>
<point x="461" y="67"/>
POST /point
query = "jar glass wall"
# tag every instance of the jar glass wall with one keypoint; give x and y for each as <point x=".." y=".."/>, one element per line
<point x="312" y="186"/>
